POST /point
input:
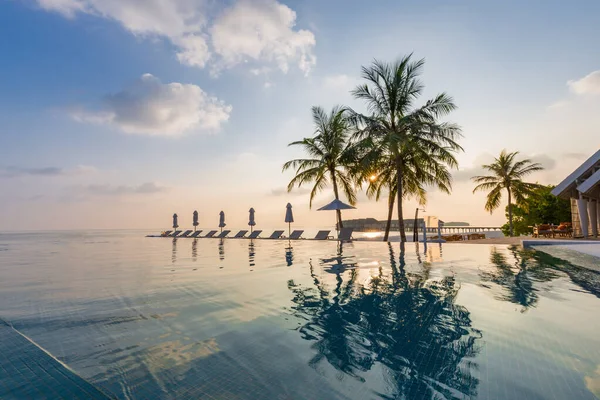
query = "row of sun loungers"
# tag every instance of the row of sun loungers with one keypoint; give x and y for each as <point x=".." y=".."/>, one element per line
<point x="345" y="235"/>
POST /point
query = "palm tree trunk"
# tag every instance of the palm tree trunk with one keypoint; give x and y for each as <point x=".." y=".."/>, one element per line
<point x="337" y="197"/>
<point x="399" y="195"/>
<point x="388" y="225"/>
<point x="510" y="217"/>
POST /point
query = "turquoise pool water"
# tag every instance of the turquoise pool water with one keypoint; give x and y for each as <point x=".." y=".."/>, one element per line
<point x="117" y="315"/>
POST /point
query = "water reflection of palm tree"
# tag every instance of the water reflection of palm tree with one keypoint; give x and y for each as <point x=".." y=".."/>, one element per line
<point x="221" y="249"/>
<point x="517" y="276"/>
<point x="526" y="267"/>
<point x="404" y="322"/>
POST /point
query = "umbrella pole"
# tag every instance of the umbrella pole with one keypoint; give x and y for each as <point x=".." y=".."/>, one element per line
<point x="289" y="229"/>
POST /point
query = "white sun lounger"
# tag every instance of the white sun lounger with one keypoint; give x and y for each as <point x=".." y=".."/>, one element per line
<point x="223" y="234"/>
<point x="276" y="235"/>
<point x="175" y="234"/>
<point x="322" y="235"/>
<point x="255" y="234"/>
<point x="186" y="233"/>
<point x="345" y="234"/>
<point x="295" y="235"/>
<point x="210" y="234"/>
<point x="195" y="234"/>
<point x="240" y="234"/>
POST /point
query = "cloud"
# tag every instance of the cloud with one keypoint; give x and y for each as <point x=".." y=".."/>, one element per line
<point x="295" y="192"/>
<point x="16" y="172"/>
<point x="262" y="31"/>
<point x="121" y="190"/>
<point x="589" y="84"/>
<point x="150" y="107"/>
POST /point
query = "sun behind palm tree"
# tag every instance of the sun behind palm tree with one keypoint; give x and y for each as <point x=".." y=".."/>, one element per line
<point x="507" y="174"/>
<point x="331" y="154"/>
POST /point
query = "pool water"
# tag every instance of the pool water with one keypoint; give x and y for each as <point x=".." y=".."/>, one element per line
<point x="111" y="314"/>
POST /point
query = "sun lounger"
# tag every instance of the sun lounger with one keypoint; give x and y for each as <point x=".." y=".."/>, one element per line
<point x="254" y="234"/>
<point x="345" y="234"/>
<point x="186" y="233"/>
<point x="166" y="233"/>
<point x="296" y="235"/>
<point x="322" y="235"/>
<point x="210" y="234"/>
<point x="276" y="235"/>
<point x="240" y="234"/>
<point x="195" y="234"/>
<point x="223" y="234"/>
<point x="175" y="234"/>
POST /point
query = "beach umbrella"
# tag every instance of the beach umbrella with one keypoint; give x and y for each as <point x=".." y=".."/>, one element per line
<point x="336" y="205"/>
<point x="175" y="225"/>
<point x="195" y="223"/>
<point x="251" y="221"/>
<point x="289" y="217"/>
<point x="222" y="220"/>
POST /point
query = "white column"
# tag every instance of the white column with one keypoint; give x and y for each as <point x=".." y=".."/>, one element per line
<point x="593" y="210"/>
<point x="583" y="215"/>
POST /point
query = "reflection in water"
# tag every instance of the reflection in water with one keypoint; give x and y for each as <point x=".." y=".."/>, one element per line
<point x="195" y="250"/>
<point x="405" y="325"/>
<point x="251" y="253"/>
<point x="517" y="269"/>
<point x="289" y="254"/>
<point x="221" y="249"/>
<point x="339" y="263"/>
<point x="174" y="251"/>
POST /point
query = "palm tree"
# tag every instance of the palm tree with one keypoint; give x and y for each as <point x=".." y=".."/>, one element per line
<point x="507" y="173"/>
<point x="421" y="169"/>
<point x="398" y="128"/>
<point x="331" y="157"/>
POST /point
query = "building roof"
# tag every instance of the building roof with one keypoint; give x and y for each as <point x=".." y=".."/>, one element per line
<point x="570" y="186"/>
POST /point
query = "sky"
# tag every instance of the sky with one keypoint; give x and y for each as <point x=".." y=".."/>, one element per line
<point x="118" y="113"/>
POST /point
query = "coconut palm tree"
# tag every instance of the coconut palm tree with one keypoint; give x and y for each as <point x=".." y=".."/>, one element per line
<point x="507" y="174"/>
<point x="330" y="160"/>
<point x="398" y="127"/>
<point x="421" y="168"/>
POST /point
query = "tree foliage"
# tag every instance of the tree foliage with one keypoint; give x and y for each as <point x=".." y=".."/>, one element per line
<point x="541" y="207"/>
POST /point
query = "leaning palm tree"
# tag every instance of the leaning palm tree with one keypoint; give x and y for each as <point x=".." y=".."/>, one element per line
<point x="398" y="127"/>
<point x="507" y="174"/>
<point x="330" y="154"/>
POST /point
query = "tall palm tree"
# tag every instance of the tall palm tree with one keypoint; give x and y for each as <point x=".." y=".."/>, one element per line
<point x="331" y="157"/>
<point x="399" y="127"/>
<point x="507" y="174"/>
<point x="421" y="168"/>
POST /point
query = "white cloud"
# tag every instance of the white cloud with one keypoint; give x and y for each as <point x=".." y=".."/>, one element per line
<point x="153" y="108"/>
<point x="17" y="172"/>
<point x="589" y="84"/>
<point x="260" y="31"/>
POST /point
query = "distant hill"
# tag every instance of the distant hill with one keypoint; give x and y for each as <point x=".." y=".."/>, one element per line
<point x="456" y="224"/>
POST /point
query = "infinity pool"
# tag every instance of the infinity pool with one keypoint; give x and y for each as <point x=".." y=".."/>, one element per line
<point x="117" y="315"/>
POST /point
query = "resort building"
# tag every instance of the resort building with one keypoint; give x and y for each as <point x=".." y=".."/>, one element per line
<point x="582" y="187"/>
<point x="371" y="224"/>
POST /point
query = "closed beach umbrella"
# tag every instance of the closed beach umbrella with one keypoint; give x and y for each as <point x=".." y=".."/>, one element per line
<point x="195" y="223"/>
<point x="335" y="206"/>
<point x="175" y="225"/>
<point x="222" y="220"/>
<point x="289" y="217"/>
<point x="251" y="220"/>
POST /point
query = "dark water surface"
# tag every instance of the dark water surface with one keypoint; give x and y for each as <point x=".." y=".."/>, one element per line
<point x="114" y="314"/>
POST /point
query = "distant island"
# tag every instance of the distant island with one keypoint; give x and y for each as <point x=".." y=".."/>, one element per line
<point x="374" y="225"/>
